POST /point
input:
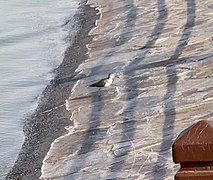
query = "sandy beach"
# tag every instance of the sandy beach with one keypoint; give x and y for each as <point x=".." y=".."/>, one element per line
<point x="51" y="117"/>
<point x="162" y="53"/>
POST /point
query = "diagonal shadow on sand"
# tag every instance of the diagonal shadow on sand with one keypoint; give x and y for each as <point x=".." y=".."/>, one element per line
<point x="93" y="132"/>
<point x="171" y="62"/>
<point x="159" y="171"/>
<point x="128" y="126"/>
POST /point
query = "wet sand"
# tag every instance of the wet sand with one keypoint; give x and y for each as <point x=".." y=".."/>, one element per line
<point x="51" y="116"/>
<point x="162" y="52"/>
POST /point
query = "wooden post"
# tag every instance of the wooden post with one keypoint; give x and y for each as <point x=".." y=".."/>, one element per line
<point x="193" y="149"/>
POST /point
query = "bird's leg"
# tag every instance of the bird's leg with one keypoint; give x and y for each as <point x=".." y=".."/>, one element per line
<point x="99" y="92"/>
<point x="109" y="92"/>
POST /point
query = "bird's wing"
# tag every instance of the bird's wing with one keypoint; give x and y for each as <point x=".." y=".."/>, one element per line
<point x="100" y="83"/>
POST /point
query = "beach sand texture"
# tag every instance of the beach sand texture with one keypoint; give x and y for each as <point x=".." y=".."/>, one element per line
<point x="162" y="52"/>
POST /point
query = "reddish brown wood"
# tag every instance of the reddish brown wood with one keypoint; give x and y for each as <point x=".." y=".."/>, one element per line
<point x="193" y="149"/>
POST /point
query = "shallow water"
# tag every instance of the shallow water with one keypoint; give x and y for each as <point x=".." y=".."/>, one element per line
<point x="162" y="52"/>
<point x="32" y="42"/>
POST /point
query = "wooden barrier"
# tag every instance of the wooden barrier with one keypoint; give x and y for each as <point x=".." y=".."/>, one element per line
<point x="193" y="149"/>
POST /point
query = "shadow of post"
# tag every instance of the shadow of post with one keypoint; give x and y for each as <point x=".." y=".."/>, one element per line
<point x="159" y="170"/>
<point x="93" y="131"/>
<point x="128" y="125"/>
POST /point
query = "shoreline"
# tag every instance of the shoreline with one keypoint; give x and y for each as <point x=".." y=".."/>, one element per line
<point x="114" y="136"/>
<point x="164" y="86"/>
<point x="50" y="118"/>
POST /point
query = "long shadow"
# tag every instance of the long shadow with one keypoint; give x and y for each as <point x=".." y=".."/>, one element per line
<point x="171" y="62"/>
<point x="72" y="78"/>
<point x="128" y="125"/>
<point x="159" y="171"/>
<point x="93" y="132"/>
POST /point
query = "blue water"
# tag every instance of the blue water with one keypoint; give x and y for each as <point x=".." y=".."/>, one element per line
<point x="32" y="42"/>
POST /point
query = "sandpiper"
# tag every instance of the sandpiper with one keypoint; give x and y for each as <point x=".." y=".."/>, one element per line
<point x="104" y="82"/>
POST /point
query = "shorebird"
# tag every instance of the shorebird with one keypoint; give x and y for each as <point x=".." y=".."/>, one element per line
<point x="104" y="82"/>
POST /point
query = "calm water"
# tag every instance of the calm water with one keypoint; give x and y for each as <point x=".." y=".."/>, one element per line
<point x="31" y="45"/>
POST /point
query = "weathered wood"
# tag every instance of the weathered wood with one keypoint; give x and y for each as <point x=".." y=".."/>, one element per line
<point x="193" y="149"/>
